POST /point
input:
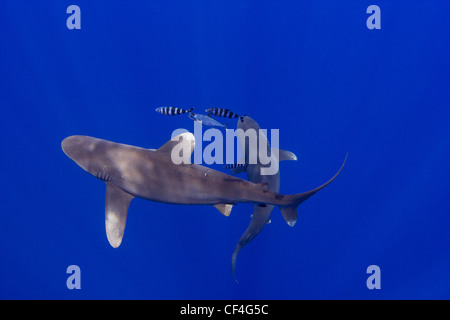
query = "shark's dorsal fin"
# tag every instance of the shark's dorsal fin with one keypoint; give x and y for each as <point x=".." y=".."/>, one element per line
<point x="179" y="148"/>
<point x="116" y="209"/>
<point x="186" y="139"/>
<point x="224" y="209"/>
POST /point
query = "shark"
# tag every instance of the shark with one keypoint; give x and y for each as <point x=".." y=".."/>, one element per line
<point x="151" y="174"/>
<point x="261" y="213"/>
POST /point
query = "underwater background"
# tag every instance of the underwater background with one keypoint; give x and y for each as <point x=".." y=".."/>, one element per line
<point x="311" y="69"/>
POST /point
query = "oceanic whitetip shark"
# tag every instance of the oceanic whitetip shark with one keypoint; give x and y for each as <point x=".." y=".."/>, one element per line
<point x="130" y="172"/>
<point x="261" y="212"/>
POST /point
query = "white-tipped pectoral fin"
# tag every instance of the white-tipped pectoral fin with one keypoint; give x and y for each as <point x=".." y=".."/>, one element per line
<point x="117" y="202"/>
<point x="285" y="155"/>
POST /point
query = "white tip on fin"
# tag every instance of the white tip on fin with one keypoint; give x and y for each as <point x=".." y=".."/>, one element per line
<point x="116" y="209"/>
<point x="224" y="209"/>
<point x="179" y="148"/>
<point x="285" y="155"/>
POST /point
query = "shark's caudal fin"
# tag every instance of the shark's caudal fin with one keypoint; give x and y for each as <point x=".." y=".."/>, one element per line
<point x="260" y="217"/>
<point x="289" y="212"/>
<point x="233" y="261"/>
<point x="116" y="209"/>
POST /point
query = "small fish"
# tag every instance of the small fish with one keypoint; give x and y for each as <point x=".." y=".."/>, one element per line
<point x="206" y="120"/>
<point x="220" y="112"/>
<point x="236" y="165"/>
<point x="173" y="111"/>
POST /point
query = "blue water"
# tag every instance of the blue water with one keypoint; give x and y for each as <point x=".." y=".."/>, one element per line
<point x="311" y="69"/>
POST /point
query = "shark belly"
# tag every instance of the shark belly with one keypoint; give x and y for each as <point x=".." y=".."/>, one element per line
<point x="190" y="184"/>
<point x="177" y="184"/>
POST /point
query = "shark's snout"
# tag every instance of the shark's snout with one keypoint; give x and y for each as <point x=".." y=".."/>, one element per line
<point x="79" y="149"/>
<point x="90" y="154"/>
<point x="71" y="144"/>
<point x="245" y="123"/>
<point x="66" y="145"/>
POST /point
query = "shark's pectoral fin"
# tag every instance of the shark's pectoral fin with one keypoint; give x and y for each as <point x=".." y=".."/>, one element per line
<point x="284" y="155"/>
<point x="116" y="208"/>
<point x="224" y="209"/>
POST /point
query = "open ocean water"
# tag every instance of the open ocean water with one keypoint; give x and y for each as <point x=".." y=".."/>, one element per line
<point x="312" y="69"/>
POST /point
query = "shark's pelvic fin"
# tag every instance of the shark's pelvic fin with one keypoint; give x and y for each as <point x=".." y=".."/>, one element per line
<point x="224" y="209"/>
<point x="116" y="208"/>
<point x="181" y="145"/>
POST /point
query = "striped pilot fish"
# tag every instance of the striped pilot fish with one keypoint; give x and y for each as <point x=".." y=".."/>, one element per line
<point x="236" y="166"/>
<point x="220" y="112"/>
<point x="172" y="111"/>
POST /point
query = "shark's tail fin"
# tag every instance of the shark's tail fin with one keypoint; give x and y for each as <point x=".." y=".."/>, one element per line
<point x="233" y="261"/>
<point x="289" y="212"/>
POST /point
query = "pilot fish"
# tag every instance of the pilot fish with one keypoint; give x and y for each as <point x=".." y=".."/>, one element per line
<point x="236" y="166"/>
<point x="173" y="111"/>
<point x="220" y="112"/>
